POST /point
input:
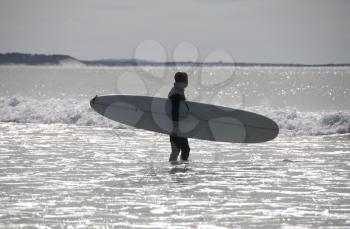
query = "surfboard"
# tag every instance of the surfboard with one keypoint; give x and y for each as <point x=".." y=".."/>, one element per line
<point x="196" y="120"/>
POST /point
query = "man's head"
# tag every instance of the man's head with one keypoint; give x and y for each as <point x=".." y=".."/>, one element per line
<point x="181" y="79"/>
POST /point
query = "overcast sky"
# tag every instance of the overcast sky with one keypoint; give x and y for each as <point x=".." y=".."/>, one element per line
<point x="298" y="31"/>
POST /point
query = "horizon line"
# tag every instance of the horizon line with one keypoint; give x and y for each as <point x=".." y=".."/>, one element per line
<point x="134" y="61"/>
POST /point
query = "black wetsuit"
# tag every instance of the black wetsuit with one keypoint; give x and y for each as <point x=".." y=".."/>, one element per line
<point x="177" y="143"/>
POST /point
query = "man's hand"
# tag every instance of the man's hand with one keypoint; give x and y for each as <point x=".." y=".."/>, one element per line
<point x="175" y="132"/>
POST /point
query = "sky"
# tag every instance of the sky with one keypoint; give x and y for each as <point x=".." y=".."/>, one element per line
<point x="272" y="31"/>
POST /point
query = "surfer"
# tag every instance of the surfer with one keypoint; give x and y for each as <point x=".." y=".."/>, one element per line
<point x="176" y="94"/>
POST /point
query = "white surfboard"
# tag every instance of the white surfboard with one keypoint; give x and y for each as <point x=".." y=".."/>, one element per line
<point x="196" y="120"/>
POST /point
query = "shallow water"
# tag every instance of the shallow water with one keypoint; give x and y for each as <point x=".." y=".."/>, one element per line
<point x="303" y="101"/>
<point x="62" y="165"/>
<point x="60" y="175"/>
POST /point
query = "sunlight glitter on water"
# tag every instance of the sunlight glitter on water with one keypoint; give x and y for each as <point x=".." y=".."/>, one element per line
<point x="59" y="175"/>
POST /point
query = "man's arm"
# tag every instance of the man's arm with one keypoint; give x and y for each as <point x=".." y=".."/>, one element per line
<point x="175" y="109"/>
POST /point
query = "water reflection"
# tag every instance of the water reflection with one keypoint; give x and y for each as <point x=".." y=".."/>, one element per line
<point x="66" y="175"/>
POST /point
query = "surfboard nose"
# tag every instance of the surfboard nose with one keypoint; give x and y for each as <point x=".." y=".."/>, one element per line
<point x="92" y="101"/>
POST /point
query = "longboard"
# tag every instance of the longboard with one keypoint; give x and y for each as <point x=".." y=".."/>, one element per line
<point x="196" y="120"/>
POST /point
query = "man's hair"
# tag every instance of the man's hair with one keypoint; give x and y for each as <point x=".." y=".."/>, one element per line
<point x="181" y="77"/>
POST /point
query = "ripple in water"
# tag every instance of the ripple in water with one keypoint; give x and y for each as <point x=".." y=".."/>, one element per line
<point x="65" y="175"/>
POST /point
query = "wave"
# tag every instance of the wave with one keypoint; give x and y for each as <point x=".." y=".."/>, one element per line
<point x="68" y="111"/>
<point x="294" y="122"/>
<point x="71" y="111"/>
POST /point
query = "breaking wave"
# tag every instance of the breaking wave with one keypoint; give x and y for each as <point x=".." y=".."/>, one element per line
<point x="71" y="111"/>
<point x="294" y="122"/>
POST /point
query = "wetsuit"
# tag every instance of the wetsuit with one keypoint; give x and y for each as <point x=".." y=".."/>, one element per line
<point x="178" y="144"/>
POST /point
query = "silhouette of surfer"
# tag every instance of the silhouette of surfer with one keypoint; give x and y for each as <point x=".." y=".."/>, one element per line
<point x="176" y="94"/>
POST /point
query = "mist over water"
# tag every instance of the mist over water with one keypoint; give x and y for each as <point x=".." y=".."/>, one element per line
<point x="61" y="164"/>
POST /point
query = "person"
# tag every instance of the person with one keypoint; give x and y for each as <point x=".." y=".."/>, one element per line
<point x="178" y="143"/>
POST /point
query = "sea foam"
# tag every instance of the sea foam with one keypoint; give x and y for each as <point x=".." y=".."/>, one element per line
<point x="71" y="111"/>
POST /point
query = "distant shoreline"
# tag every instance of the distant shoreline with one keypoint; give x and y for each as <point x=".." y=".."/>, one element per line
<point x="58" y="59"/>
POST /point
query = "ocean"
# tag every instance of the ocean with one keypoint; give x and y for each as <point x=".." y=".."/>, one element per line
<point x="62" y="165"/>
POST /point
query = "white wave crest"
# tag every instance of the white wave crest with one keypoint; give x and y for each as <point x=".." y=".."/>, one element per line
<point x="294" y="122"/>
<point x="70" y="111"/>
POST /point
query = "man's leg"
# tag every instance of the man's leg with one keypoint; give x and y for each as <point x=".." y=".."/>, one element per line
<point x="185" y="149"/>
<point x="175" y="148"/>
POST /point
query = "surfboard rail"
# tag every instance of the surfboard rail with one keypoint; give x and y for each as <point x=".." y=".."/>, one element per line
<point x="196" y="120"/>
